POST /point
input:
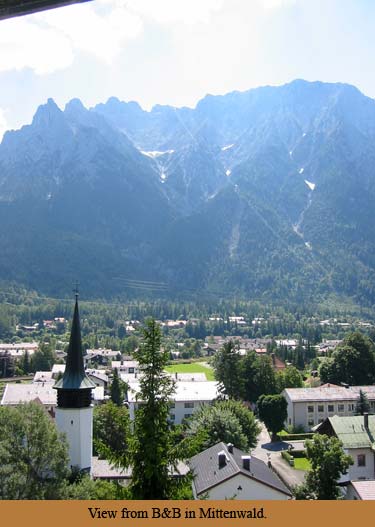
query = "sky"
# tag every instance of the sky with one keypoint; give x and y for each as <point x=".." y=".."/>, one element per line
<point x="177" y="51"/>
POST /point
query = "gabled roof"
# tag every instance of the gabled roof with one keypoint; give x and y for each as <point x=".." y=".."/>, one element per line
<point x="207" y="473"/>
<point x="23" y="393"/>
<point x="352" y="430"/>
<point x="364" y="489"/>
<point x="184" y="390"/>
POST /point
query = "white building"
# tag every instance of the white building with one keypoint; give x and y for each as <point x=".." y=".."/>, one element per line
<point x="308" y="407"/>
<point x="15" y="394"/>
<point x="189" y="396"/>
<point x="126" y="366"/>
<point x="43" y="376"/>
<point x="74" y="411"/>
<point x="18" y="349"/>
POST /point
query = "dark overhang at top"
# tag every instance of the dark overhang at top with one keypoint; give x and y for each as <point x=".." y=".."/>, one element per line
<point x="12" y="8"/>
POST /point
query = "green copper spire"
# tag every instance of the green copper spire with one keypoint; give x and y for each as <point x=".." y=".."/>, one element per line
<point x="75" y="377"/>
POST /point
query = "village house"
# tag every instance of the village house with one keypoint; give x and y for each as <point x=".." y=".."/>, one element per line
<point x="361" y="490"/>
<point x="357" y="435"/>
<point x="126" y="366"/>
<point x="100" y="356"/>
<point x="189" y="396"/>
<point x="15" y="394"/>
<point x="18" y="349"/>
<point x="308" y="407"/>
<point x="224" y="472"/>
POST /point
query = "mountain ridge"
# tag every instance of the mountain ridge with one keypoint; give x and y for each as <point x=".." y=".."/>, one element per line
<point x="266" y="192"/>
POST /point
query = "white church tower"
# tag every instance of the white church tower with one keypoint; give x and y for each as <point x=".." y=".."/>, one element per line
<point x="74" y="412"/>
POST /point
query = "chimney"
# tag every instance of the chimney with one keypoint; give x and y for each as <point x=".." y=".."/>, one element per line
<point x="222" y="459"/>
<point x="246" y="462"/>
<point x="365" y="418"/>
<point x="230" y="448"/>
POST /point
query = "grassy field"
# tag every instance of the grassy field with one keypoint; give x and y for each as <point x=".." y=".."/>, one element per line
<point x="193" y="367"/>
<point x="301" y="463"/>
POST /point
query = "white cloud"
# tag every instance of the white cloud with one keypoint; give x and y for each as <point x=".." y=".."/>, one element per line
<point x="3" y="124"/>
<point x="274" y="4"/>
<point x="47" y="42"/>
<point x="172" y="11"/>
<point x="101" y="34"/>
<point x="24" y="44"/>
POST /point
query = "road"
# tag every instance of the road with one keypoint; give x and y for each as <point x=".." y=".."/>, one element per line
<point x="268" y="451"/>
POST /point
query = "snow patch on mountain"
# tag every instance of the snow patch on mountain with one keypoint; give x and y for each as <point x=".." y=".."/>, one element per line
<point x="310" y="185"/>
<point x="228" y="172"/>
<point x="301" y="170"/>
<point x="227" y="147"/>
<point x="156" y="153"/>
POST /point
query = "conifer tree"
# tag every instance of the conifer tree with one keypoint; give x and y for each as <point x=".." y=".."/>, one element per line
<point x="363" y="405"/>
<point x="117" y="396"/>
<point x="227" y="365"/>
<point x="151" y="446"/>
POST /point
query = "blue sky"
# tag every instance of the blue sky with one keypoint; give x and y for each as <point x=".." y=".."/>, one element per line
<point x="176" y="51"/>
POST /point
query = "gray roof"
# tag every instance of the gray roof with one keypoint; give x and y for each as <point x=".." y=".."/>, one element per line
<point x="328" y="392"/>
<point x="102" y="469"/>
<point x="207" y="473"/>
<point x="23" y="393"/>
<point x="184" y="391"/>
<point x="365" y="489"/>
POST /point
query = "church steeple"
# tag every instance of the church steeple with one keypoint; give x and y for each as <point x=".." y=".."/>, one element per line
<point x="74" y="389"/>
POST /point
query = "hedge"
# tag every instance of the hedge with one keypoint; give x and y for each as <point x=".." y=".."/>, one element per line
<point x="282" y="436"/>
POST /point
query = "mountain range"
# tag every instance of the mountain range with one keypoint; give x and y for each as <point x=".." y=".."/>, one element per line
<point x="267" y="193"/>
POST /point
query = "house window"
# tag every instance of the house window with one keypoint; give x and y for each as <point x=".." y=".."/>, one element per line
<point x="351" y="407"/>
<point x="186" y="416"/>
<point x="172" y="405"/>
<point x="189" y="404"/>
<point x="310" y="409"/>
<point x="131" y="370"/>
<point x="341" y="407"/>
<point x="172" y="417"/>
<point x="320" y="407"/>
<point x="331" y="407"/>
<point x="361" y="460"/>
<point x="310" y="422"/>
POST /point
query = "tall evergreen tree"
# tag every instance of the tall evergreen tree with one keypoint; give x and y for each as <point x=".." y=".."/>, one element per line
<point x="227" y="366"/>
<point x="363" y="405"/>
<point x="117" y="395"/>
<point x="151" y="446"/>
